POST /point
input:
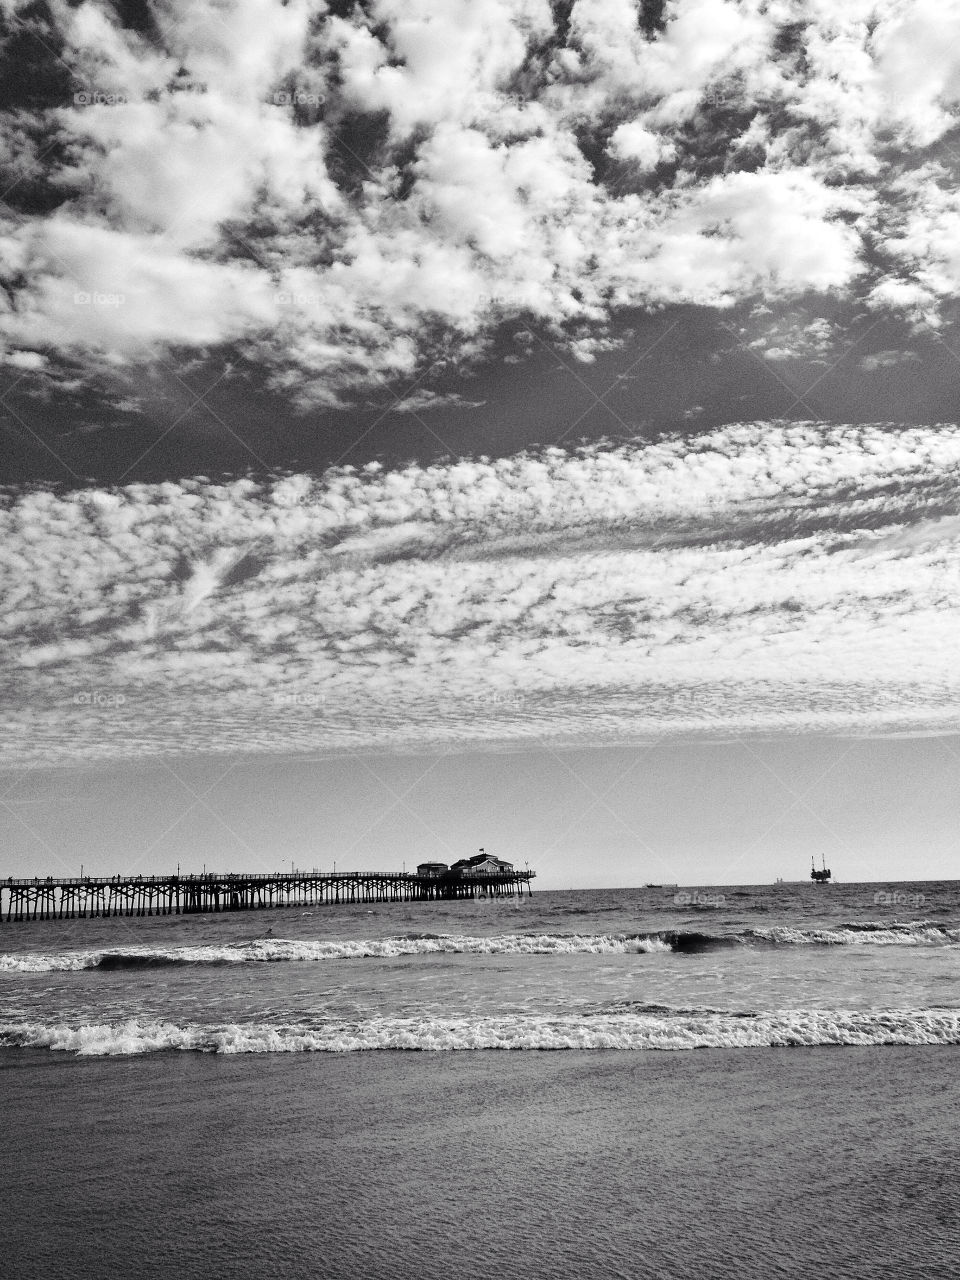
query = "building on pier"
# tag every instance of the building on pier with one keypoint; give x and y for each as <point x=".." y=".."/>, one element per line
<point x="482" y="864"/>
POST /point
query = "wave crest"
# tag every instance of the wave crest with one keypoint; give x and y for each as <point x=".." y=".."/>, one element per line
<point x="685" y="941"/>
<point x="655" y="1028"/>
<point x="916" y="933"/>
<point x="277" y="950"/>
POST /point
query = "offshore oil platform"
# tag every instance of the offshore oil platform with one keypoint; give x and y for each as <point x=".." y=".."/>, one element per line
<point x="820" y="875"/>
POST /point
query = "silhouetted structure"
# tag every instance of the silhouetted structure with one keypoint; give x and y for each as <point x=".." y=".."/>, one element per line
<point x="72" y="897"/>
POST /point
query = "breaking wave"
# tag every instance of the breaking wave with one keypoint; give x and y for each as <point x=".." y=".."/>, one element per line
<point x="921" y="933"/>
<point x="917" y="933"/>
<point x="869" y="933"/>
<point x="651" y="1028"/>
<point x="277" y="950"/>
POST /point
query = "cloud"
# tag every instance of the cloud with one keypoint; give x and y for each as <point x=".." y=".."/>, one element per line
<point x="421" y="401"/>
<point x="884" y="359"/>
<point x="631" y="141"/>
<point x="792" y="337"/>
<point x="763" y="577"/>
<point x="338" y="197"/>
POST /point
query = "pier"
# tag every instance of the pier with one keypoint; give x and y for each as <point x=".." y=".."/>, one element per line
<point x="76" y="897"/>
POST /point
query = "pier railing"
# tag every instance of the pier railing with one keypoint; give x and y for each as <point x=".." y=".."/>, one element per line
<point x="71" y="897"/>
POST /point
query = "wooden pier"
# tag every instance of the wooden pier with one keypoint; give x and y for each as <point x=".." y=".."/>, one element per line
<point x="91" y="896"/>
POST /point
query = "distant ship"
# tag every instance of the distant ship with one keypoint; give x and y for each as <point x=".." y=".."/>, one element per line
<point x="823" y="875"/>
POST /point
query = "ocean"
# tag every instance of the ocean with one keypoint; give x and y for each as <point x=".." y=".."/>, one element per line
<point x="763" y="1082"/>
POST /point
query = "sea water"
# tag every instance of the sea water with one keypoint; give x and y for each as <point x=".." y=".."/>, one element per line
<point x="185" y="1096"/>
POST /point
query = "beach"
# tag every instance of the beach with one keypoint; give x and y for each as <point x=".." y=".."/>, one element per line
<point x="712" y="1164"/>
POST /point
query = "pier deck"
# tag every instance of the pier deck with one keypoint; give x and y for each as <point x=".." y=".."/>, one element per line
<point x="87" y="896"/>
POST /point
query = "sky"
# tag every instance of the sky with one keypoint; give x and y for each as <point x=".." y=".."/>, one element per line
<point x="431" y="425"/>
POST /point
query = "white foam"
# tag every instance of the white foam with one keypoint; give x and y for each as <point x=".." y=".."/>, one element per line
<point x="664" y="1030"/>
<point x="277" y="950"/>
<point x="917" y="933"/>
<point x="30" y="962"/>
<point x="267" y="950"/>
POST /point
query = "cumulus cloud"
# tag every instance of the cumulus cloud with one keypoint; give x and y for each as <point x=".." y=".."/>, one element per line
<point x="632" y="141"/>
<point x="791" y="337"/>
<point x="337" y="194"/>
<point x="762" y="577"/>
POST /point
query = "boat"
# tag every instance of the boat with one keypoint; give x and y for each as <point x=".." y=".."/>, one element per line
<point x="823" y="875"/>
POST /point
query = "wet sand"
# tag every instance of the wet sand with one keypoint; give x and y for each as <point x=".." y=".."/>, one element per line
<point x="748" y="1163"/>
